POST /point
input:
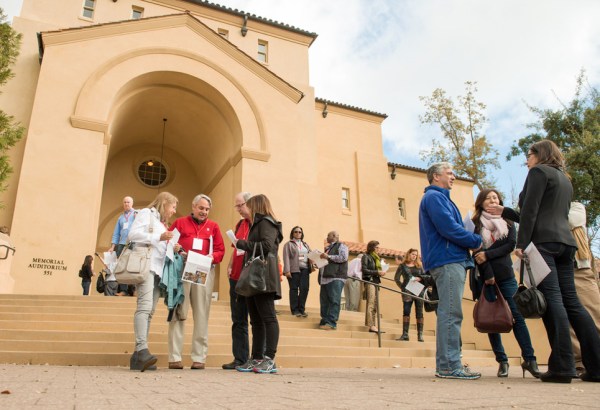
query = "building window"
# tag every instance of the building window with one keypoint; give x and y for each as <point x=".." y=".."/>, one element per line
<point x="263" y="51"/>
<point x="137" y="12"/>
<point x="223" y="32"/>
<point x="152" y="173"/>
<point x="345" y="198"/>
<point x="402" y="208"/>
<point x="88" y="8"/>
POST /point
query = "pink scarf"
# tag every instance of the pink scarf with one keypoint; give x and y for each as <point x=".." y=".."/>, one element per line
<point x="493" y="227"/>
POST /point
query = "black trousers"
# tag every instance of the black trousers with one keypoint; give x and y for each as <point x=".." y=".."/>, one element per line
<point x="265" y="327"/>
<point x="299" y="284"/>
<point x="239" y="325"/>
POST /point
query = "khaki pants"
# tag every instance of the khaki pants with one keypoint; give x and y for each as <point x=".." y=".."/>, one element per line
<point x="352" y="294"/>
<point x="371" y="311"/>
<point x="199" y="298"/>
<point x="586" y="283"/>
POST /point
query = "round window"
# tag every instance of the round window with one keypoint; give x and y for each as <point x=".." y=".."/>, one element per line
<point x="152" y="173"/>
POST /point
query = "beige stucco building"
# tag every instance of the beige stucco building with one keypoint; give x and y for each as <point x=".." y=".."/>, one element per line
<point x="94" y="89"/>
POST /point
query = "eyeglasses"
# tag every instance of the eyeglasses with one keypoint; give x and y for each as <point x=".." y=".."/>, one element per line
<point x="239" y="206"/>
<point x="529" y="154"/>
<point x="297" y="231"/>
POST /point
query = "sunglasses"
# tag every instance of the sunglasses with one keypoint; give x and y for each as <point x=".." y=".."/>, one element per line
<point x="297" y="231"/>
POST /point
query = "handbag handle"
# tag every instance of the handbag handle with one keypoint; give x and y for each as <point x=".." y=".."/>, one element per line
<point x="525" y="266"/>
<point x="262" y="255"/>
<point x="499" y="295"/>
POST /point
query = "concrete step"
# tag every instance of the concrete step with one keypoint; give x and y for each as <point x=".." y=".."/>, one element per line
<point x="97" y="330"/>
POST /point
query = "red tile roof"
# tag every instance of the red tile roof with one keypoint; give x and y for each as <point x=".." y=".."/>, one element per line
<point x="355" y="248"/>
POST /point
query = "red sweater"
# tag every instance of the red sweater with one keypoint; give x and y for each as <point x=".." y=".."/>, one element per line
<point x="190" y="229"/>
<point x="237" y="262"/>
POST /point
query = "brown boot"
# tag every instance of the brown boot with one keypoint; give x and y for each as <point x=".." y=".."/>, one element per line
<point x="420" y="330"/>
<point x="405" y="325"/>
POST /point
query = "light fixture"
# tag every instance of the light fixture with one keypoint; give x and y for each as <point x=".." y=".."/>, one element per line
<point x="393" y="174"/>
<point x="325" y="112"/>
<point x="244" y="27"/>
<point x="150" y="163"/>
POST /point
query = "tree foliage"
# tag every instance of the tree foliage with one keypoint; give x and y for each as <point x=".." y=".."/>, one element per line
<point x="462" y="142"/>
<point x="10" y="131"/>
<point x="575" y="128"/>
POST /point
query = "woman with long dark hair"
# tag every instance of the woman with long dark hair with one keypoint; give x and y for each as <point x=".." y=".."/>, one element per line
<point x="266" y="231"/>
<point x="86" y="274"/>
<point x="296" y="268"/>
<point x="543" y="219"/>
<point x="495" y="267"/>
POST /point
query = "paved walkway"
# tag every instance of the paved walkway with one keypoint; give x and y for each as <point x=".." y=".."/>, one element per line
<point x="56" y="387"/>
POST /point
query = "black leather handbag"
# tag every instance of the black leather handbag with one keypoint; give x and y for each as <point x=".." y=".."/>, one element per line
<point x="253" y="278"/>
<point x="530" y="302"/>
<point x="100" y="283"/>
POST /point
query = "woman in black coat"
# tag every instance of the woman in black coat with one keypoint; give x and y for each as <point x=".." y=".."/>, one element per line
<point x="495" y="266"/>
<point x="86" y="274"/>
<point x="371" y="271"/>
<point x="266" y="231"/>
<point x="543" y="219"/>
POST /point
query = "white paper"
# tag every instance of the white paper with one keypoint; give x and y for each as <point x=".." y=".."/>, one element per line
<point x="197" y="268"/>
<point x="539" y="267"/>
<point x="384" y="266"/>
<point x="468" y="223"/>
<point x="110" y="260"/>
<point x="315" y="257"/>
<point x="415" y="287"/>
<point x="231" y="236"/>
<point x="171" y="243"/>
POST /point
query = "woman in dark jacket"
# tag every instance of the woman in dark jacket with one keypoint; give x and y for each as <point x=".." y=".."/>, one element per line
<point x="411" y="268"/>
<point x="86" y="274"/>
<point x="371" y="271"/>
<point x="544" y="204"/>
<point x="495" y="266"/>
<point x="265" y="231"/>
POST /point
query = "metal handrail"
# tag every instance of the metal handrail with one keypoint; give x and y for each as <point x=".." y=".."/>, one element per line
<point x="379" y="286"/>
<point x="8" y="248"/>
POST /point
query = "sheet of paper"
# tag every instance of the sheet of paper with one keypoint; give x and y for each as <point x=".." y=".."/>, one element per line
<point x="171" y="243"/>
<point x="315" y="257"/>
<point x="197" y="268"/>
<point x="468" y="223"/>
<point x="384" y="266"/>
<point x="231" y="236"/>
<point x="539" y="267"/>
<point x="414" y="287"/>
<point x="110" y="260"/>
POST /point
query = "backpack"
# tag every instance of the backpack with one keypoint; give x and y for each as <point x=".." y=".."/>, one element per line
<point x="100" y="283"/>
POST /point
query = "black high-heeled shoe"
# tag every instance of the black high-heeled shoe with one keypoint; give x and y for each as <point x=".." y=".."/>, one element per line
<point x="554" y="378"/>
<point x="503" y="369"/>
<point x="532" y="367"/>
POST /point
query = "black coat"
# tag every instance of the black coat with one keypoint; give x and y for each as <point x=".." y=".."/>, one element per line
<point x="369" y="269"/>
<point x="267" y="232"/>
<point x="499" y="264"/>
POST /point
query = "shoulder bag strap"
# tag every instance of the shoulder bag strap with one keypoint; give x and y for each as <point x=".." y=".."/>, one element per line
<point x="521" y="271"/>
<point x="529" y="274"/>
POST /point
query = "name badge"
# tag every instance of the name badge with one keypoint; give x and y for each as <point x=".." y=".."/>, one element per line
<point x="197" y="244"/>
<point x="126" y="225"/>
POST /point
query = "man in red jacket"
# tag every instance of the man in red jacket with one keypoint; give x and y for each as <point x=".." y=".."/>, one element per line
<point x="198" y="234"/>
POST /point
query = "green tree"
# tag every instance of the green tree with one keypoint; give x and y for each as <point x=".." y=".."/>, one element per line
<point x="462" y="142"/>
<point x="10" y="131"/>
<point x="575" y="128"/>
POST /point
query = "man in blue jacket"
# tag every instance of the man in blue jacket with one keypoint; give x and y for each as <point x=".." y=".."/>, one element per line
<point x="445" y="245"/>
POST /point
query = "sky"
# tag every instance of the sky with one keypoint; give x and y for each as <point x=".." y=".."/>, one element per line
<point x="382" y="55"/>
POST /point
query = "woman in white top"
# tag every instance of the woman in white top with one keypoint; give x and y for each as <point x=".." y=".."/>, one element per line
<point x="150" y="229"/>
<point x="297" y="268"/>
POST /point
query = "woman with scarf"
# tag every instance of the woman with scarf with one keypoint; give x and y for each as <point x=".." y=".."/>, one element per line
<point x="495" y="266"/>
<point x="371" y="271"/>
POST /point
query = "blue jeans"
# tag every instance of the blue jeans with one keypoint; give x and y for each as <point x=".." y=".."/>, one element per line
<point x="299" y="284"/>
<point x="563" y="309"/>
<point x="86" y="287"/>
<point x="331" y="296"/>
<point x="239" y="327"/>
<point x="450" y="283"/>
<point x="508" y="287"/>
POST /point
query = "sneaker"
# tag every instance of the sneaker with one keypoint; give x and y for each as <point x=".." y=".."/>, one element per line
<point x="304" y="314"/>
<point x="248" y="366"/>
<point x="266" y="366"/>
<point x="461" y="373"/>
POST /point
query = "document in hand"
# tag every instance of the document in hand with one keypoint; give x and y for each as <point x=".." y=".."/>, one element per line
<point x="197" y="268"/>
<point x="415" y="287"/>
<point x="315" y="257"/>
<point x="231" y="236"/>
<point x="171" y="244"/>
<point x="384" y="266"/>
<point x="539" y="267"/>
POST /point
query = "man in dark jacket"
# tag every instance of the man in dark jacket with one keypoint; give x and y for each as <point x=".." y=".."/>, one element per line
<point x="332" y="278"/>
<point x="445" y="245"/>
